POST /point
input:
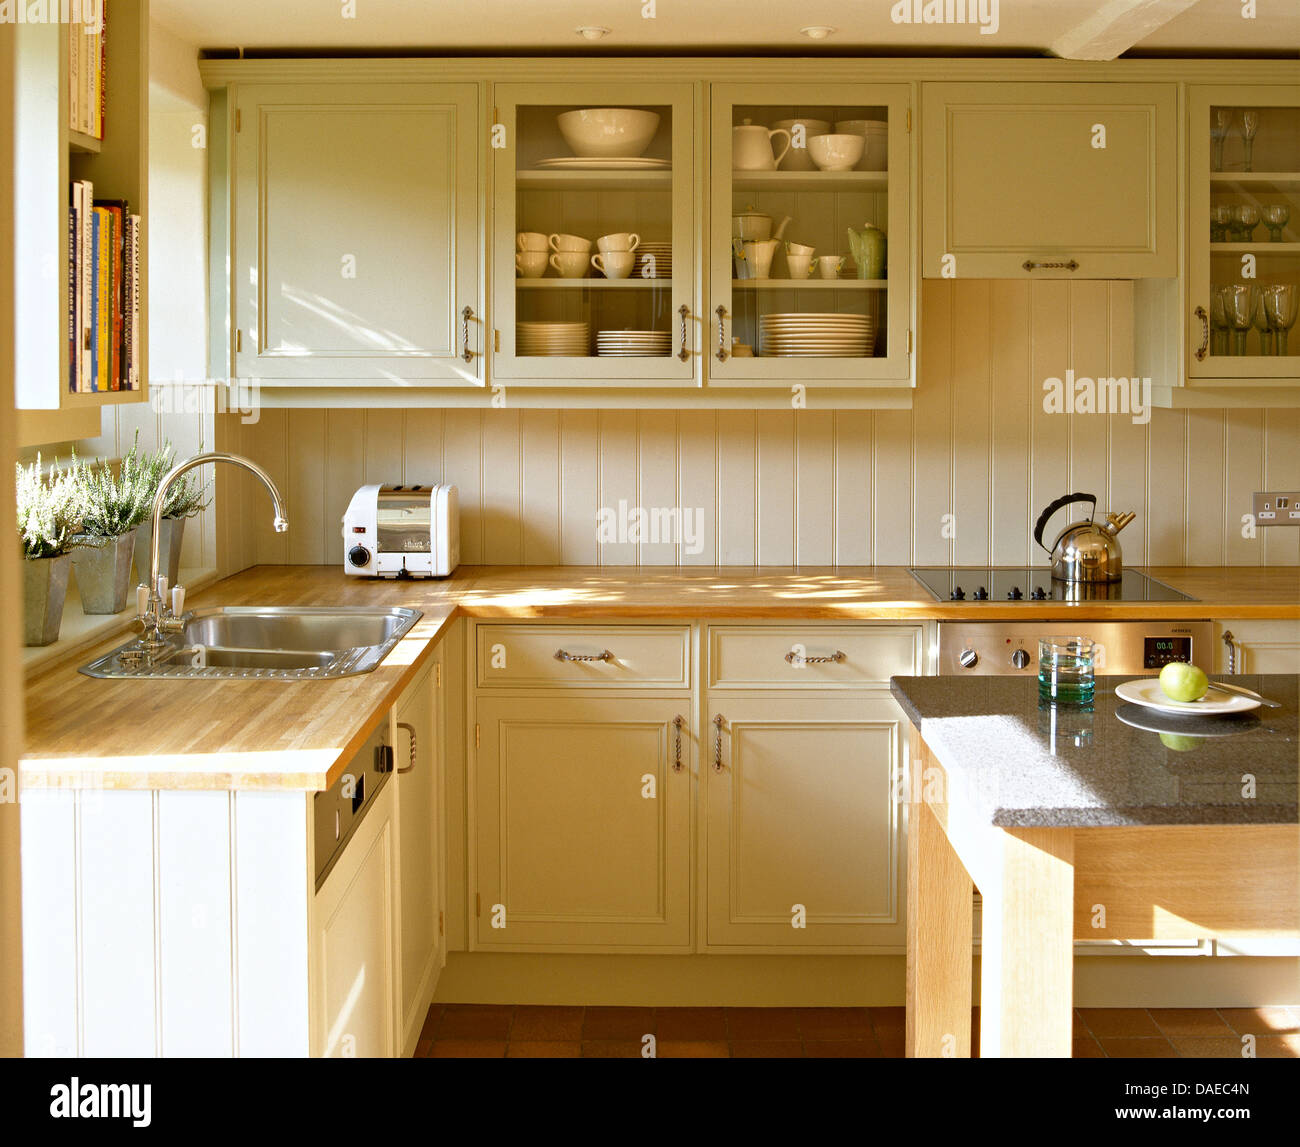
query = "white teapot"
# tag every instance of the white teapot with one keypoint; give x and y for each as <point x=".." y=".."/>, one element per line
<point x="751" y="147"/>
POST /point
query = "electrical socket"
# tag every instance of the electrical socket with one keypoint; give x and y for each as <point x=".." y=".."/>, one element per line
<point x="1277" y="508"/>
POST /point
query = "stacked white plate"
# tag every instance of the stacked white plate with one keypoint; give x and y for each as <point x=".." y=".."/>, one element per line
<point x="558" y="339"/>
<point x="816" y="335"/>
<point x="663" y="260"/>
<point x="632" y="344"/>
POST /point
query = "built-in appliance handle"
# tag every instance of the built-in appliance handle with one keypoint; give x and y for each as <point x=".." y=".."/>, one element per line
<point x="410" y="732"/>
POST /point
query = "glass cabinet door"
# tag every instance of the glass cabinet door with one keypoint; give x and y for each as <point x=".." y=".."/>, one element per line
<point x="810" y="250"/>
<point x="1244" y="232"/>
<point x="593" y="251"/>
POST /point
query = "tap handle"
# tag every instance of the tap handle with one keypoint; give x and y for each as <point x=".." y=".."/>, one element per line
<point x="141" y="600"/>
<point x="178" y="600"/>
<point x="162" y="587"/>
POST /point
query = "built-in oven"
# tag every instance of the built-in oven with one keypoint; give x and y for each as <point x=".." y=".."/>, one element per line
<point x="341" y="807"/>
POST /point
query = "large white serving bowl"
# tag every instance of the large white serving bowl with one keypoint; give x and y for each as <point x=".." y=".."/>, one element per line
<point x="608" y="133"/>
<point x="836" y="152"/>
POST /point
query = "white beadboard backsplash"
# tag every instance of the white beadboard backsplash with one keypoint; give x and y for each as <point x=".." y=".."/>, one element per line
<point x="812" y="487"/>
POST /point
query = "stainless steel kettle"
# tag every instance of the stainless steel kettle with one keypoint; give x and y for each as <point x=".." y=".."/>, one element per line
<point x="1086" y="550"/>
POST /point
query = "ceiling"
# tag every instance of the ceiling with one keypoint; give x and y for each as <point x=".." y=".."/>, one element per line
<point x="1085" y="29"/>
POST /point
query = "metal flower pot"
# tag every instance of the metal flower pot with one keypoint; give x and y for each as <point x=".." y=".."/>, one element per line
<point x="169" y="549"/>
<point x="104" y="573"/>
<point x="45" y="586"/>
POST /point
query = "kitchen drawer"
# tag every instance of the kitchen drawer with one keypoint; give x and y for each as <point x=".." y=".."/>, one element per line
<point x="525" y="656"/>
<point x="757" y="657"/>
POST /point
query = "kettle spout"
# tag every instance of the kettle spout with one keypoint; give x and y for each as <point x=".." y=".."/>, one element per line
<point x="1116" y="522"/>
<point x="780" y="227"/>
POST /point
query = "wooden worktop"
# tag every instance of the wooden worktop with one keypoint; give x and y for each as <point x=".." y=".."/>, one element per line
<point x="161" y="734"/>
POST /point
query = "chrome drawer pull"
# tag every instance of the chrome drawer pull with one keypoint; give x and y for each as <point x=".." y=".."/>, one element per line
<point x="795" y="659"/>
<point x="678" y="722"/>
<point x="565" y="655"/>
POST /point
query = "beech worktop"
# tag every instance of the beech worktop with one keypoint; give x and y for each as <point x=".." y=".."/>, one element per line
<point x="147" y="734"/>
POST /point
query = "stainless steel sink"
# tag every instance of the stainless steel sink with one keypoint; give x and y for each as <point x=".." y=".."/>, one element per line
<point x="277" y="643"/>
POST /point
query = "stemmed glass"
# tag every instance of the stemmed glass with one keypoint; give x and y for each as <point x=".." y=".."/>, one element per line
<point x="1276" y="217"/>
<point x="1238" y="308"/>
<point x="1260" y="319"/>
<point x="1218" y="322"/>
<point x="1280" y="301"/>
<point x="1249" y="126"/>
<point x="1220" y="217"/>
<point x="1245" y="218"/>
<point x="1220" y="122"/>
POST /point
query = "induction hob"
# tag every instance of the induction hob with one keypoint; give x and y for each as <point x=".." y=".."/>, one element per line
<point x="1035" y="583"/>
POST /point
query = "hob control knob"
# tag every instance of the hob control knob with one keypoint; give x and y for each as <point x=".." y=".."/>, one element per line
<point x="359" y="556"/>
<point x="958" y="594"/>
<point x="981" y="594"/>
<point x="1039" y="594"/>
<point x="968" y="658"/>
<point x="1020" y="659"/>
<point x="1015" y="593"/>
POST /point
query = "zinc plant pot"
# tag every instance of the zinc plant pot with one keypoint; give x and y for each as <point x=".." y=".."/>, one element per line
<point x="45" y="588"/>
<point x="104" y="573"/>
<point x="169" y="549"/>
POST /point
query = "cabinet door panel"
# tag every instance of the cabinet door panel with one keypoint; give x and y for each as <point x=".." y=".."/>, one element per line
<point x="803" y="813"/>
<point x="569" y="846"/>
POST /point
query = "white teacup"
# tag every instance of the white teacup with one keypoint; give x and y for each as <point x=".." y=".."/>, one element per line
<point x="570" y="264"/>
<point x="570" y="243"/>
<point x="614" y="264"/>
<point x="623" y="241"/>
<point x="828" y="266"/>
<point x="531" y="264"/>
<point x="800" y="266"/>
<point x="799" y="249"/>
<point x="531" y="241"/>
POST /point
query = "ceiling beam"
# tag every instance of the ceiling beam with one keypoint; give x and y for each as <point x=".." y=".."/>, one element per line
<point x="1115" y="27"/>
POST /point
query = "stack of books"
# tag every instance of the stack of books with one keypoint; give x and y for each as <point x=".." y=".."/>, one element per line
<point x="103" y="293"/>
<point x="87" y="68"/>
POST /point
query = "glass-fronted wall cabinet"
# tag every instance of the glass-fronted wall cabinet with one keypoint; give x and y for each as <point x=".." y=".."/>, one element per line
<point x="809" y="257"/>
<point x="1244" y="232"/>
<point x="593" y="235"/>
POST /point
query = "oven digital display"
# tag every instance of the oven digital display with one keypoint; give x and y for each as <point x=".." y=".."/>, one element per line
<point x="1157" y="652"/>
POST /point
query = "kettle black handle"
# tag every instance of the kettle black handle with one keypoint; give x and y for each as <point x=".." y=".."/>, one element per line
<point x="1065" y="500"/>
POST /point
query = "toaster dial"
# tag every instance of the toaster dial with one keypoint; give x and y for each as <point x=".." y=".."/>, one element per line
<point x="359" y="556"/>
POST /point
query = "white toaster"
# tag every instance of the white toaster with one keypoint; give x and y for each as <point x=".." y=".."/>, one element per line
<point x="402" y="531"/>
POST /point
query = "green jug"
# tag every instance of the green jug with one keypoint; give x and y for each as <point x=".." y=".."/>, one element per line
<point x="868" y="248"/>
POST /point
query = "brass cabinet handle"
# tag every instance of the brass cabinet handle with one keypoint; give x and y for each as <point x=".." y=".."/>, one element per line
<point x="722" y="334"/>
<point x="565" y="655"/>
<point x="1232" y="650"/>
<point x="678" y="722"/>
<point x="717" y="743"/>
<point x="410" y="731"/>
<point x="1031" y="265"/>
<point x="1204" y="348"/>
<point x="684" y="311"/>
<point x="794" y="658"/>
<point x="465" y="316"/>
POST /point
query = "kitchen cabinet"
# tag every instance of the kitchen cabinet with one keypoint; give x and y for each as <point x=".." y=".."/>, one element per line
<point x="779" y="323"/>
<point x="355" y="235"/>
<point x="1050" y="180"/>
<point x="1251" y="646"/>
<point x="556" y="316"/>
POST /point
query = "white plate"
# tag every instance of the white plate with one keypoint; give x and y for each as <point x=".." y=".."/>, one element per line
<point x="814" y="315"/>
<point x="1166" y="724"/>
<point x="1146" y="691"/>
<point x="596" y="163"/>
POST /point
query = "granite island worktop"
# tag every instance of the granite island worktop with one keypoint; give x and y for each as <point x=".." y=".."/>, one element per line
<point x="1022" y="764"/>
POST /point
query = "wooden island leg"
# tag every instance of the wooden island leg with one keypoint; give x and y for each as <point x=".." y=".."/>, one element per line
<point x="1027" y="954"/>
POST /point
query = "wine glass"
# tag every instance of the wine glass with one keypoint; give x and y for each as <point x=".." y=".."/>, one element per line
<point x="1276" y="217"/>
<point x="1280" y="301"/>
<point x="1220" y="121"/>
<point x="1220" y="217"/>
<point x="1218" y="322"/>
<point x="1238" y="308"/>
<point x="1246" y="216"/>
<point x="1249" y="126"/>
<point x="1260" y="319"/>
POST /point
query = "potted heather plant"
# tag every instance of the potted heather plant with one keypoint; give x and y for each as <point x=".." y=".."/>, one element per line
<point x="47" y="519"/>
<point x="185" y="498"/>
<point x="111" y="508"/>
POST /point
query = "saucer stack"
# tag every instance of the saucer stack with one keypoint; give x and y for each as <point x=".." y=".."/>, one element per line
<point x="632" y="344"/>
<point x="663" y="260"/>
<point x="567" y="340"/>
<point x="816" y="335"/>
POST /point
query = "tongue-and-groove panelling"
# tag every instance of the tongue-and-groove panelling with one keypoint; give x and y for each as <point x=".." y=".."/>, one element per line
<point x="958" y="479"/>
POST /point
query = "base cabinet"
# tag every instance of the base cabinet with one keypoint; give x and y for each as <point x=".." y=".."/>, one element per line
<point x="1254" y="646"/>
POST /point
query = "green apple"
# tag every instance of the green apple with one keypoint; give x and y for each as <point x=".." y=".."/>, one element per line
<point x="1183" y="682"/>
<point x="1179" y="743"/>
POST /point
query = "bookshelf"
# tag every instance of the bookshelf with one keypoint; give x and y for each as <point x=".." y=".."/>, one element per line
<point x="117" y="165"/>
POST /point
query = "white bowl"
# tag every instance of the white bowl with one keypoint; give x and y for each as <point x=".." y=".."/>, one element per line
<point x="608" y="133"/>
<point x="836" y="152"/>
<point x="875" y="157"/>
<point x="797" y="158"/>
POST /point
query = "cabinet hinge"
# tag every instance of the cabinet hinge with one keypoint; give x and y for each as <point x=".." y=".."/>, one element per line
<point x="238" y="120"/>
<point x="909" y="119"/>
<point x="239" y="340"/>
<point x="437" y="674"/>
<point x="496" y="340"/>
<point x="478" y="904"/>
<point x="439" y="923"/>
<point x="909" y="342"/>
<point x="476" y="728"/>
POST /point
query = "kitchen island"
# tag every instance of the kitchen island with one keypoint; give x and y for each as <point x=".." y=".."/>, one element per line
<point x="1081" y="825"/>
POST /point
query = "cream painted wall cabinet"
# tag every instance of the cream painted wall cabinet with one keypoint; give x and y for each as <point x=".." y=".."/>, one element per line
<point x="1050" y="180"/>
<point x="355" y="235"/>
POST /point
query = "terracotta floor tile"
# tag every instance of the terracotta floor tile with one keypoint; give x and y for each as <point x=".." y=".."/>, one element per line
<point x="842" y="1049"/>
<point x="690" y="1024"/>
<point x="1277" y="1046"/>
<point x="766" y="1049"/>
<point x="537" y="1022"/>
<point x="1199" y="1022"/>
<point x="1121" y="1047"/>
<point x="618" y="1023"/>
<point x="835" y="1023"/>
<point x="1262" y="1021"/>
<point x="423" y="1048"/>
<point x="693" y="1049"/>
<point x="1086" y="1047"/>
<point x="611" y="1049"/>
<point x="1208" y="1047"/>
<point x="543" y="1049"/>
<point x="468" y="1049"/>
<point x="431" y="1021"/>
<point x="888" y="1020"/>
<point x="1128" y="1022"/>
<point x="762" y="1023"/>
<point x="475" y="1022"/>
